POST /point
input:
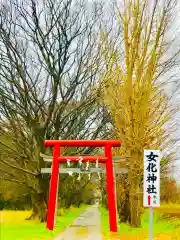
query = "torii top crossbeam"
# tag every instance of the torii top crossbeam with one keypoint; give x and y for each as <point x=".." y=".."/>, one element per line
<point x="82" y="143"/>
<point x="57" y="144"/>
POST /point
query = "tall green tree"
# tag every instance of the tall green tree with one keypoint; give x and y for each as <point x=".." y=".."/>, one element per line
<point x="137" y="65"/>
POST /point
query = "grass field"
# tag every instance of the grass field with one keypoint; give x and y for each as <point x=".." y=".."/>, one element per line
<point x="13" y="225"/>
<point x="166" y="225"/>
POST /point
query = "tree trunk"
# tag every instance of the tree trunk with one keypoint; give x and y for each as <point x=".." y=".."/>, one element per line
<point x="39" y="207"/>
<point x="34" y="214"/>
<point x="39" y="201"/>
<point x="42" y="209"/>
<point x="124" y="208"/>
<point x="135" y="207"/>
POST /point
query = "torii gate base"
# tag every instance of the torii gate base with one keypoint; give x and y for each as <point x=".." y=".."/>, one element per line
<point x="107" y="144"/>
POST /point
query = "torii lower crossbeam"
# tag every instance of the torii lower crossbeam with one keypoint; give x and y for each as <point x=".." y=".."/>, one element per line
<point x="107" y="144"/>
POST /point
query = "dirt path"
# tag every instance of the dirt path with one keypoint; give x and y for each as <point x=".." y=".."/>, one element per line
<point x="86" y="227"/>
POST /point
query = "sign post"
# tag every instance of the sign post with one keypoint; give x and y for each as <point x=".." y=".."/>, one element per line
<point x="151" y="224"/>
<point x="151" y="182"/>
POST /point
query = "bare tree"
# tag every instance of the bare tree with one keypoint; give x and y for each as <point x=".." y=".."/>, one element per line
<point x="49" y="61"/>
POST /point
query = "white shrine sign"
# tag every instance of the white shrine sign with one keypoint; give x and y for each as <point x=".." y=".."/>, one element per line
<point x="152" y="178"/>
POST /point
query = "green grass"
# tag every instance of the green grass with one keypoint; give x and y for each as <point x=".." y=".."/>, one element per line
<point x="160" y="225"/>
<point x="15" y="227"/>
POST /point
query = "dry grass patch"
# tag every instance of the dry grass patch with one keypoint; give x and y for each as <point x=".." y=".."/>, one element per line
<point x="14" y="217"/>
<point x="145" y="236"/>
<point x="169" y="211"/>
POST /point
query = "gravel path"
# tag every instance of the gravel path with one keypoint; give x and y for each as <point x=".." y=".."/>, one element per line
<point x="86" y="227"/>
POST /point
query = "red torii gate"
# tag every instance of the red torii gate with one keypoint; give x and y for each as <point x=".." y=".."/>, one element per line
<point x="107" y="144"/>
